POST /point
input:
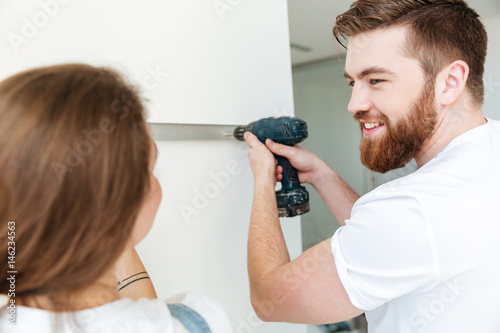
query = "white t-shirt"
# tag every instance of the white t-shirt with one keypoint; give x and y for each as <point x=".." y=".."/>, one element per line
<point x="421" y="253"/>
<point x="122" y="316"/>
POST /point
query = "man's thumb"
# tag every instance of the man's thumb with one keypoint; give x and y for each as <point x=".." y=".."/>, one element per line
<point x="279" y="149"/>
<point x="251" y="139"/>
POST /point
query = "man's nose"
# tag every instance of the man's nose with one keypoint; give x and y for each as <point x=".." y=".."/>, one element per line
<point x="359" y="100"/>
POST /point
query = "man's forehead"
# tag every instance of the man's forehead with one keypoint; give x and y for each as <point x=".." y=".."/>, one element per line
<point x="377" y="51"/>
<point x="392" y="38"/>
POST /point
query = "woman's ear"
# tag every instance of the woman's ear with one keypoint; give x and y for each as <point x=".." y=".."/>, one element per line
<point x="453" y="80"/>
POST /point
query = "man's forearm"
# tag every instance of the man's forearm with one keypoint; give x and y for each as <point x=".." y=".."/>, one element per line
<point x="338" y="196"/>
<point x="266" y="245"/>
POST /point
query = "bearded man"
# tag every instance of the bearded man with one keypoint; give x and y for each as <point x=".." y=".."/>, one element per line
<point x="418" y="254"/>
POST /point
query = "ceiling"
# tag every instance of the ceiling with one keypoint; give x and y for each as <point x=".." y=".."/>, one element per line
<point x="311" y="23"/>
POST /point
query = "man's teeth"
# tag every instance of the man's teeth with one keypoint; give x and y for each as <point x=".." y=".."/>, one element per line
<point x="372" y="125"/>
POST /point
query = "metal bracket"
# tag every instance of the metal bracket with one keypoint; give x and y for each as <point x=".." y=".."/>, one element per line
<point x="183" y="132"/>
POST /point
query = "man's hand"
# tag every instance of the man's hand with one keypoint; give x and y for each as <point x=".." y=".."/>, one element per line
<point x="308" y="165"/>
<point x="338" y="196"/>
<point x="261" y="160"/>
<point x="264" y="165"/>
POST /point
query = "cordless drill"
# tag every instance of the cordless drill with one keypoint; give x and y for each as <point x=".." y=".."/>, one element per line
<point x="292" y="199"/>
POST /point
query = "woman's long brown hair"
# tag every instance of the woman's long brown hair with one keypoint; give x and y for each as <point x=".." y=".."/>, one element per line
<point x="74" y="154"/>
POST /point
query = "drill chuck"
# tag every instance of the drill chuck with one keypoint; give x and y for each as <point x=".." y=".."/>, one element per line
<point x="240" y="131"/>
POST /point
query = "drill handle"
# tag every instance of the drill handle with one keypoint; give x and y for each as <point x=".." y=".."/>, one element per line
<point x="290" y="178"/>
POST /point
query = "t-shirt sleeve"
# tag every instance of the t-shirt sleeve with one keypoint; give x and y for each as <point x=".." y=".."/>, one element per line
<point x="384" y="251"/>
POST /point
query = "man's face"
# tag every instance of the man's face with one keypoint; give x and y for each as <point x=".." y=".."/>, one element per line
<point x="391" y="99"/>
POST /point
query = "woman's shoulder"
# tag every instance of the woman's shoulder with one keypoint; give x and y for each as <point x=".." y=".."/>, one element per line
<point x="122" y="316"/>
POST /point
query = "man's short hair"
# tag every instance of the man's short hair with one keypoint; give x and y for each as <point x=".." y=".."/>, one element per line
<point x="440" y="32"/>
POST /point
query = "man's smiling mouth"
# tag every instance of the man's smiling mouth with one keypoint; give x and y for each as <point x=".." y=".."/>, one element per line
<point x="372" y="125"/>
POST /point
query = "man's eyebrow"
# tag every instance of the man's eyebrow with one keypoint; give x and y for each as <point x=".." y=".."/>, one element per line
<point x="371" y="70"/>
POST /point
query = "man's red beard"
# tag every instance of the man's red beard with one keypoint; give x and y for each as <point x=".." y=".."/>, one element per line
<point x="403" y="140"/>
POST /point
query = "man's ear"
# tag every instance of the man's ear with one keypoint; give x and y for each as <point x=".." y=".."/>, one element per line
<point x="453" y="82"/>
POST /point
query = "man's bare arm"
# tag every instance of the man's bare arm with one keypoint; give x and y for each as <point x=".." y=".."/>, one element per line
<point x="338" y="196"/>
<point x="306" y="290"/>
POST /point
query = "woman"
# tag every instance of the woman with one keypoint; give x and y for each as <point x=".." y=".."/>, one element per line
<point x="77" y="193"/>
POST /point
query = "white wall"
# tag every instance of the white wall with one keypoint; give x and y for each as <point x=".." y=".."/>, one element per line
<point x="491" y="106"/>
<point x="206" y="62"/>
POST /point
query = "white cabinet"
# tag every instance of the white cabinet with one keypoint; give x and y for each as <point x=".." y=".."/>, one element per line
<point x="207" y="62"/>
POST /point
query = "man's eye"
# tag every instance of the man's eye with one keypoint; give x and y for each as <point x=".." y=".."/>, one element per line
<point x="374" y="82"/>
<point x="350" y="84"/>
